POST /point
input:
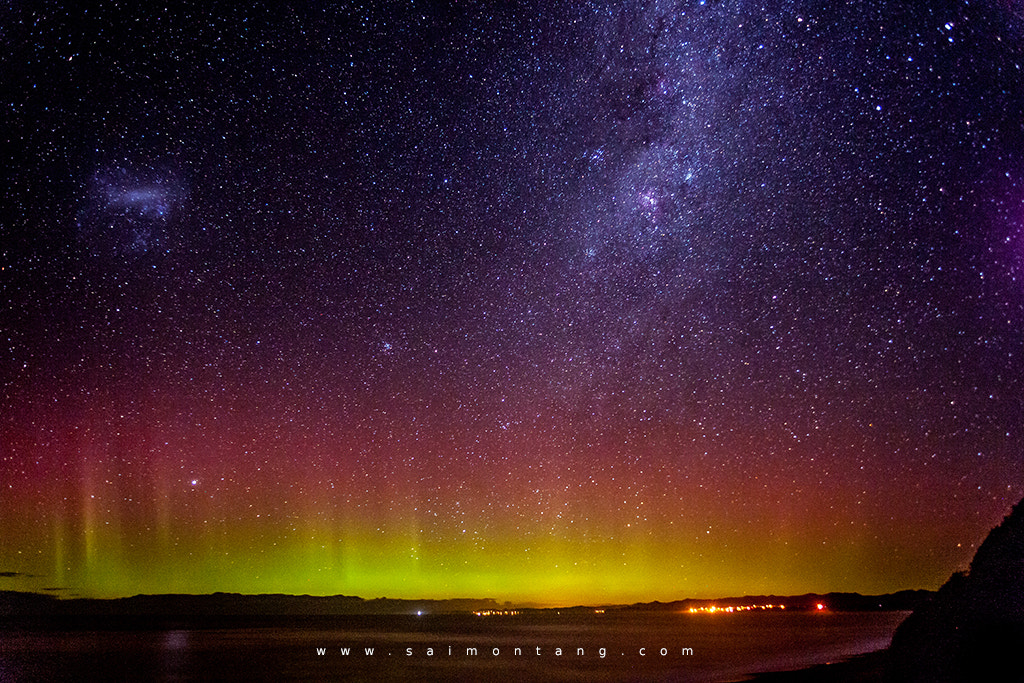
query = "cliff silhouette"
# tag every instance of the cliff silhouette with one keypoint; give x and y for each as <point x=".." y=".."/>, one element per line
<point x="973" y="628"/>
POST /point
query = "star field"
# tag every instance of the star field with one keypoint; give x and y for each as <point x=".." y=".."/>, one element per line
<point x="578" y="302"/>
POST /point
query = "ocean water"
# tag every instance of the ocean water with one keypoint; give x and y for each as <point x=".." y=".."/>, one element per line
<point x="520" y="648"/>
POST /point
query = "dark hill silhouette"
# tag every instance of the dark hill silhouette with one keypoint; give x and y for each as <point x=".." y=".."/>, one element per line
<point x="222" y="609"/>
<point x="973" y="628"/>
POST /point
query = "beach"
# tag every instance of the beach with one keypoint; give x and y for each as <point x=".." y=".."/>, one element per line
<point x="865" y="668"/>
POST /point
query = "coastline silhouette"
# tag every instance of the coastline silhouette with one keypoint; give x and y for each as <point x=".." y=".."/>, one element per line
<point x="973" y="628"/>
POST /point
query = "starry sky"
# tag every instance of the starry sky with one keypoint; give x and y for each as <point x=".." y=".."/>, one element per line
<point x="562" y="302"/>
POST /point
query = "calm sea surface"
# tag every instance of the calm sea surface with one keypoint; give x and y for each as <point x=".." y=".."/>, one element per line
<point x="548" y="647"/>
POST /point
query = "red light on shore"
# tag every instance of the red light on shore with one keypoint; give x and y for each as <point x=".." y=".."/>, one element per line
<point x="821" y="606"/>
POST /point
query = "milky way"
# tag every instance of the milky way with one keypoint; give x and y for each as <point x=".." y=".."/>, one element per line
<point x="560" y="303"/>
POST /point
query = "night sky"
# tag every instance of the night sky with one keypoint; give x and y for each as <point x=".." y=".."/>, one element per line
<point x="574" y="302"/>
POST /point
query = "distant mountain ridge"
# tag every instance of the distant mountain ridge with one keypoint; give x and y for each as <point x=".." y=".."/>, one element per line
<point x="843" y="602"/>
<point x="15" y="604"/>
